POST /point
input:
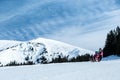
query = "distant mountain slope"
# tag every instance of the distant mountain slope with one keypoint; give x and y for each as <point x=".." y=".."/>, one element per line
<point x="35" y="49"/>
<point x="7" y="43"/>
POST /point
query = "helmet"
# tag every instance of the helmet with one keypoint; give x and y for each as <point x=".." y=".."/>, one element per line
<point x="96" y="52"/>
<point x="100" y="49"/>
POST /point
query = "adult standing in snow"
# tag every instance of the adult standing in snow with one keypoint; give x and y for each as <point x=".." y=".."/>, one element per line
<point x="100" y="55"/>
<point x="101" y="52"/>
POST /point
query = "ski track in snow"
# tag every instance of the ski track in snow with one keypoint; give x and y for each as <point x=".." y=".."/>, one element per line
<point x="104" y="70"/>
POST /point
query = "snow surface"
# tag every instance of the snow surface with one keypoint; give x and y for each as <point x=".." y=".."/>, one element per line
<point x="57" y="46"/>
<point x="7" y="43"/>
<point x="35" y="49"/>
<point x="104" y="70"/>
<point x="112" y="57"/>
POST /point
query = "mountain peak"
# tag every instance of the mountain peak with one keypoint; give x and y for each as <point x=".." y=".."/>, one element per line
<point x="35" y="49"/>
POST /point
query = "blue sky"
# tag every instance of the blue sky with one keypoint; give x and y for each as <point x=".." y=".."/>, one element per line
<point x="82" y="23"/>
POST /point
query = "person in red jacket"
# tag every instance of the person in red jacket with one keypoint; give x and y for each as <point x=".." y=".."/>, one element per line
<point x="101" y="52"/>
<point x="98" y="55"/>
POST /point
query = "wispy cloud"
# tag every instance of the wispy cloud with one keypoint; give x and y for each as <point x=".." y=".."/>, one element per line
<point x="76" y="22"/>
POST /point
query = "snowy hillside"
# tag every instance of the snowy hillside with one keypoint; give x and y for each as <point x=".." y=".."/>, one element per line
<point x="104" y="70"/>
<point x="34" y="50"/>
<point x="7" y="43"/>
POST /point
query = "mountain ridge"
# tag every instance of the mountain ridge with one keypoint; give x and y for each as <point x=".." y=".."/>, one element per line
<point x="34" y="50"/>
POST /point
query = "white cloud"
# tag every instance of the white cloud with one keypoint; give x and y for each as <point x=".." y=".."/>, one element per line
<point x="86" y="26"/>
<point x="87" y="36"/>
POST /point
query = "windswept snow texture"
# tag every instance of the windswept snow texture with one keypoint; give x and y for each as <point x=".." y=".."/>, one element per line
<point x="35" y="49"/>
<point x="105" y="70"/>
<point x="59" y="20"/>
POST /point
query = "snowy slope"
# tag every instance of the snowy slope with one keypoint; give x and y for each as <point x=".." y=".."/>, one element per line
<point x="104" y="70"/>
<point x="56" y="46"/>
<point x="112" y="57"/>
<point x="35" y="49"/>
<point x="7" y="43"/>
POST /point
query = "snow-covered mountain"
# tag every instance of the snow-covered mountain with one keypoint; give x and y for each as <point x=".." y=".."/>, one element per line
<point x="35" y="49"/>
